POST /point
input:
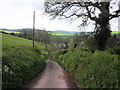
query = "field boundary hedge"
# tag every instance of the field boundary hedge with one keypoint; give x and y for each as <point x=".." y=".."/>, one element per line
<point x="20" y="64"/>
<point x="91" y="70"/>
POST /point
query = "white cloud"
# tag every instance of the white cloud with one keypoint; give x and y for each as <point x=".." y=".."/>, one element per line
<point x="19" y="14"/>
<point x="114" y="24"/>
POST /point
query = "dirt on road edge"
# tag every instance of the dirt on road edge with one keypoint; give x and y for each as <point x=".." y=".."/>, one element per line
<point x="70" y="78"/>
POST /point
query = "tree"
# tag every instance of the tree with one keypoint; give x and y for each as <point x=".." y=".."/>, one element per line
<point x="88" y="10"/>
<point x="26" y="33"/>
<point x="44" y="37"/>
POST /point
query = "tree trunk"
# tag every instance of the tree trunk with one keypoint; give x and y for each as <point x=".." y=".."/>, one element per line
<point x="103" y="30"/>
<point x="102" y="36"/>
<point x="46" y="46"/>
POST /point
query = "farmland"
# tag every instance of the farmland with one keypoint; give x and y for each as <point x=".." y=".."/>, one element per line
<point x="9" y="31"/>
<point x="115" y="33"/>
<point x="62" y="34"/>
<point x="9" y="39"/>
<point x="55" y="33"/>
<point x="69" y="34"/>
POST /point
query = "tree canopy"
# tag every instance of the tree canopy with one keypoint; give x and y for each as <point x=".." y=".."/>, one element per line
<point x="95" y="10"/>
<point x="86" y="9"/>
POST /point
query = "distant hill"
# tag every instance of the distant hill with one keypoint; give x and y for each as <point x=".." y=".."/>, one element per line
<point x="9" y="29"/>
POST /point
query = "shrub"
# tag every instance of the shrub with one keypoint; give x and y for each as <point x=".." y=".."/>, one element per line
<point x="92" y="70"/>
<point x="54" y="55"/>
<point x="20" y="64"/>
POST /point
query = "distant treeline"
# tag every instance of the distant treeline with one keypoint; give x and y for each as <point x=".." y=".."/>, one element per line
<point x="43" y="36"/>
<point x="82" y="40"/>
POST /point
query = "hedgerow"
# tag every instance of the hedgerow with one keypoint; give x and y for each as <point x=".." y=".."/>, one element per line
<point x="91" y="70"/>
<point x="19" y="65"/>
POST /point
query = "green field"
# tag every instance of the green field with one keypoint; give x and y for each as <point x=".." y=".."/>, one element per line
<point x="17" y="41"/>
<point x="8" y="31"/>
<point x="63" y="34"/>
<point x="115" y="33"/>
<point x="20" y="61"/>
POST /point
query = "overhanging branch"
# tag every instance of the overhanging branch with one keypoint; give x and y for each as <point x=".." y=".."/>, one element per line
<point x="117" y="14"/>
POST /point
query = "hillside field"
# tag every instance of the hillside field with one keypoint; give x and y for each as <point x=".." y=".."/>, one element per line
<point x="9" y="31"/>
<point x="17" y="41"/>
<point x="63" y="34"/>
<point x="115" y="33"/>
<point x="20" y="61"/>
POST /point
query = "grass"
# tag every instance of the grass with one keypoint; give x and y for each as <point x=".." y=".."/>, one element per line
<point x="63" y="34"/>
<point x="20" y="61"/>
<point x="115" y="33"/>
<point x="11" y="40"/>
<point x="8" y="31"/>
<point x="16" y="41"/>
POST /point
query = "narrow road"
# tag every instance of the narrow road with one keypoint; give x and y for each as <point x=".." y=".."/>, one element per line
<point x="53" y="76"/>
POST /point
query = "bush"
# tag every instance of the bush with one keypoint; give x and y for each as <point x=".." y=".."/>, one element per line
<point x="55" y="55"/>
<point x="114" y="51"/>
<point x="92" y="70"/>
<point x="20" y="64"/>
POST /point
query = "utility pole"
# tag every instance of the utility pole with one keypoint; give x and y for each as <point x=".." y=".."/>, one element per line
<point x="33" y="28"/>
<point x="119" y="17"/>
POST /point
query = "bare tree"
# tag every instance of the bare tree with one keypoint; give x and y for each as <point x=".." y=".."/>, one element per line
<point x="44" y="37"/>
<point x="94" y="10"/>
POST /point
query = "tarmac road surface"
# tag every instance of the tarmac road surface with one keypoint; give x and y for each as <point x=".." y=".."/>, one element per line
<point x="53" y="76"/>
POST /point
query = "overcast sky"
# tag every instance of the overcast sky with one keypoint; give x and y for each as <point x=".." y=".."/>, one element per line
<point x="16" y="14"/>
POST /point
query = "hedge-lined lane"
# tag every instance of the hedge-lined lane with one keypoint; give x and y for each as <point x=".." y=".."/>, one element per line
<point x="91" y="70"/>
